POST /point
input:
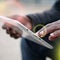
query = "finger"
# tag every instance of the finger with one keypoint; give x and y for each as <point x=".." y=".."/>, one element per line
<point x="7" y="24"/>
<point x="16" y="36"/>
<point x="49" y="29"/>
<point x="4" y="26"/>
<point x="14" y="33"/>
<point x="42" y="32"/>
<point x="14" y="17"/>
<point x="54" y="35"/>
<point x="17" y="33"/>
<point x="7" y="31"/>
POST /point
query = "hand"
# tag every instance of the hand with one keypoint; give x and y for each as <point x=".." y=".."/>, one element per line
<point x="53" y="29"/>
<point x="13" y="33"/>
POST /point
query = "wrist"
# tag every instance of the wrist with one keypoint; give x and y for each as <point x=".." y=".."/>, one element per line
<point x="24" y="20"/>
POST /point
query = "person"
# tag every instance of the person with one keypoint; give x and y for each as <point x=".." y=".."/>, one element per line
<point x="50" y="18"/>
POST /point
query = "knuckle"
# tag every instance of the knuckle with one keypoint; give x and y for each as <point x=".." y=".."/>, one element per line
<point x="48" y="25"/>
<point x="4" y="27"/>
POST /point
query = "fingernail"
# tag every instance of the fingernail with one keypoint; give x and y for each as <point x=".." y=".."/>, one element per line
<point x="51" y="38"/>
<point x="52" y="34"/>
<point x="41" y="33"/>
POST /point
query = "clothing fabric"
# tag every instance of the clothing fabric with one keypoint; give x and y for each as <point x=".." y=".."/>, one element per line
<point x="31" y="50"/>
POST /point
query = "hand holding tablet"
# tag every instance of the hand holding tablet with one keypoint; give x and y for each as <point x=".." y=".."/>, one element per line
<point x="27" y="33"/>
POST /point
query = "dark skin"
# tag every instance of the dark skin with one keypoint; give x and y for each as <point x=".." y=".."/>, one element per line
<point x="13" y="33"/>
<point x="52" y="28"/>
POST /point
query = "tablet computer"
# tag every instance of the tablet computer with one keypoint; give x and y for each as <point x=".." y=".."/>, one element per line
<point x="27" y="33"/>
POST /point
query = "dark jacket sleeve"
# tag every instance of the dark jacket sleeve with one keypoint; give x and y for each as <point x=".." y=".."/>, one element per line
<point x="48" y="16"/>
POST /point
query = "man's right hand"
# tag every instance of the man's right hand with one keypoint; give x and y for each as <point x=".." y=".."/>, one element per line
<point x="13" y="33"/>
